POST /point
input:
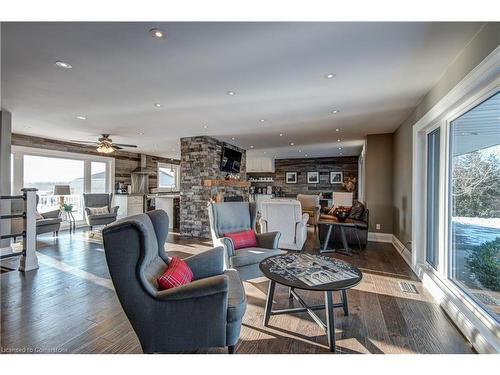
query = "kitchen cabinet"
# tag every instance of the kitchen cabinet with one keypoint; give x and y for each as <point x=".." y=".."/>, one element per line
<point x="260" y="164"/>
<point x="129" y="205"/>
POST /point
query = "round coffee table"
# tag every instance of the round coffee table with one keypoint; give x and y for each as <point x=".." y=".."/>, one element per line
<point x="310" y="272"/>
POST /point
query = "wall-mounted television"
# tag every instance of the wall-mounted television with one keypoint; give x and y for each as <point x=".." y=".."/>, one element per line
<point x="230" y="161"/>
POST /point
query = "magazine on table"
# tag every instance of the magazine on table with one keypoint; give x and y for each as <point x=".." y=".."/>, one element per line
<point x="312" y="270"/>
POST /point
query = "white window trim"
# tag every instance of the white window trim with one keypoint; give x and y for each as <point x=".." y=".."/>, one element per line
<point x="177" y="176"/>
<point x="478" y="326"/>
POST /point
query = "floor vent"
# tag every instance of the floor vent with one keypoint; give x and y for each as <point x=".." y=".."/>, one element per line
<point x="407" y="287"/>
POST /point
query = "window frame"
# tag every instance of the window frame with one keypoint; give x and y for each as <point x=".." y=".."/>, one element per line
<point x="177" y="169"/>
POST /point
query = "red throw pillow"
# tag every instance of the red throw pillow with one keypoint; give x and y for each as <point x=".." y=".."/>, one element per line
<point x="243" y="239"/>
<point x="177" y="273"/>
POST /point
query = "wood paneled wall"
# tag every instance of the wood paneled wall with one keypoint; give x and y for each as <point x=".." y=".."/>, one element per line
<point x="348" y="165"/>
<point x="125" y="161"/>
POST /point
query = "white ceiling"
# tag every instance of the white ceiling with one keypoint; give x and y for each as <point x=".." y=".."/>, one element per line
<point x="277" y="71"/>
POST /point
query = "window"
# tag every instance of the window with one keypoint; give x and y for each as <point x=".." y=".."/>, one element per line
<point x="168" y="177"/>
<point x="431" y="253"/>
<point x="98" y="177"/>
<point x="44" y="173"/>
<point x="44" y="169"/>
<point x="474" y="204"/>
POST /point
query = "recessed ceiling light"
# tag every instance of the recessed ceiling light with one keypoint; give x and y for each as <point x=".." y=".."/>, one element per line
<point x="27" y="127"/>
<point x="262" y="120"/>
<point x="306" y="155"/>
<point x="64" y="65"/>
<point x="291" y="143"/>
<point x="329" y="75"/>
<point x="340" y="148"/>
<point x="300" y="150"/>
<point x="80" y="117"/>
<point x="232" y="138"/>
<point x="141" y="133"/>
<point x="230" y="93"/>
<point x="157" y="33"/>
<point x="205" y="126"/>
<point x="265" y="152"/>
<point x="337" y="130"/>
<point x="341" y="154"/>
<point x="281" y="134"/>
<point x="338" y="140"/>
<point x="335" y="111"/>
<point x="251" y="146"/>
<point x="157" y="105"/>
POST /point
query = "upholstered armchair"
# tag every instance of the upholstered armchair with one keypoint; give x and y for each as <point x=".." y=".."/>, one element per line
<point x="47" y="222"/>
<point x="232" y="217"/>
<point x="285" y="216"/>
<point x="311" y="206"/>
<point x="99" y="200"/>
<point x="204" y="313"/>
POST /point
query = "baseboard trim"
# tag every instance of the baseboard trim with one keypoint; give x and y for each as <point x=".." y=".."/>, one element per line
<point x="402" y="250"/>
<point x="380" y="237"/>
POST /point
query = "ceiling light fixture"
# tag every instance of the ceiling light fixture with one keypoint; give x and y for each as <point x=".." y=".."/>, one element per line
<point x="329" y="75"/>
<point x="64" y="65"/>
<point x="232" y="138"/>
<point x="230" y="93"/>
<point x="281" y="134"/>
<point x="80" y="117"/>
<point x="338" y="140"/>
<point x="337" y="130"/>
<point x="262" y="120"/>
<point x="300" y="150"/>
<point x="157" y="33"/>
<point x="340" y="148"/>
<point x="292" y="144"/>
<point x="265" y="152"/>
<point x="141" y="133"/>
<point x="205" y="126"/>
<point x="251" y="146"/>
<point x="306" y="155"/>
<point x="335" y="111"/>
<point x="105" y="148"/>
<point x="157" y="105"/>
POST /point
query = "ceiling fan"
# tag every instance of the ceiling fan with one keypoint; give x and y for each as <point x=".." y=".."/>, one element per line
<point x="105" y="144"/>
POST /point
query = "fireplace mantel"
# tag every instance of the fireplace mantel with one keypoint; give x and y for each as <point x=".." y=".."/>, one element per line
<point x="233" y="183"/>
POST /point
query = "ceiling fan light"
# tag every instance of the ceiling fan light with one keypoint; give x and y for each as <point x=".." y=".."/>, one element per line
<point x="105" y="149"/>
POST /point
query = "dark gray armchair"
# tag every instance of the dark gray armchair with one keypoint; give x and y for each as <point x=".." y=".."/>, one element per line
<point x="99" y="200"/>
<point x="204" y="313"/>
<point x="230" y="217"/>
<point x="49" y="222"/>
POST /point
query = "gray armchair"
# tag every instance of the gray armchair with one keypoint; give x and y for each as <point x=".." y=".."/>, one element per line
<point x="99" y="200"/>
<point x="230" y="217"/>
<point x="49" y="222"/>
<point x="204" y="313"/>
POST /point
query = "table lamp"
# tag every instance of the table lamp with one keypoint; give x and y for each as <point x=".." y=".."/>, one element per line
<point x="62" y="190"/>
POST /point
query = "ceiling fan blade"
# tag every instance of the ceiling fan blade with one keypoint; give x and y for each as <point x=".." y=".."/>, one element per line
<point x="117" y="147"/>
<point x="124" y="145"/>
<point x="87" y="142"/>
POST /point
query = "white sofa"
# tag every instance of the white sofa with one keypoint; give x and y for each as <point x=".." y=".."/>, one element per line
<point x="285" y="216"/>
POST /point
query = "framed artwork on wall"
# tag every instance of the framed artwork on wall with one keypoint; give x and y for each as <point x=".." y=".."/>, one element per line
<point x="291" y="177"/>
<point x="336" y="177"/>
<point x="312" y="177"/>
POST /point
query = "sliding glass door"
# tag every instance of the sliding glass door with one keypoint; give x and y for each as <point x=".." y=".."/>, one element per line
<point x="474" y="204"/>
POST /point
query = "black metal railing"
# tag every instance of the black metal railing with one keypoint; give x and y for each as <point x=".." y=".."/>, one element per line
<point x="13" y="235"/>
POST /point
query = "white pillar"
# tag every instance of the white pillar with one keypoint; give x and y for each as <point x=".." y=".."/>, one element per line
<point x="29" y="260"/>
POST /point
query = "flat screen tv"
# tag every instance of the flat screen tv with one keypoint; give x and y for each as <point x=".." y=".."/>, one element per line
<point x="231" y="160"/>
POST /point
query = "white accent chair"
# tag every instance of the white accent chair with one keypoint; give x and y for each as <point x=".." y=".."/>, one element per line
<point x="285" y="216"/>
<point x="341" y="199"/>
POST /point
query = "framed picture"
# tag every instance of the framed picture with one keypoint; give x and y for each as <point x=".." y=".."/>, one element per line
<point x="336" y="177"/>
<point x="291" y="177"/>
<point x="312" y="177"/>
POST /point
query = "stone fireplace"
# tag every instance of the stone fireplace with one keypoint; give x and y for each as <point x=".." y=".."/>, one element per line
<point x="201" y="179"/>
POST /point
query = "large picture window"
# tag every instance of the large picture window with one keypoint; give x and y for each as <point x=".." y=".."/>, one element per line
<point x="474" y="204"/>
<point x="433" y="154"/>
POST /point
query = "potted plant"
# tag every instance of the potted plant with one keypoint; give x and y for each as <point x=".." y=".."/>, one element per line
<point x="342" y="213"/>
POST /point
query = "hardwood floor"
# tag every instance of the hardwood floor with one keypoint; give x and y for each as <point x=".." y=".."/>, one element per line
<point x="68" y="305"/>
